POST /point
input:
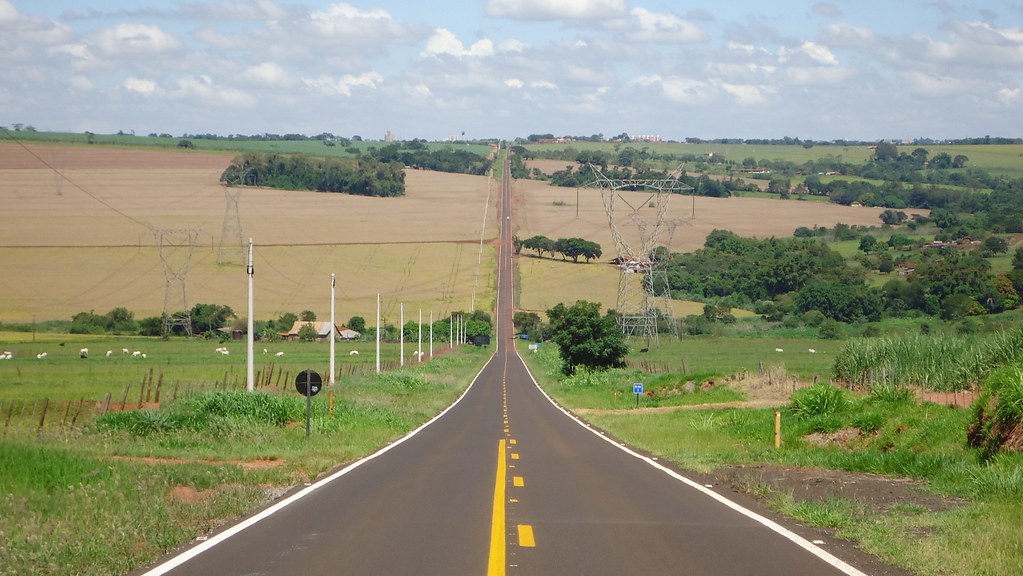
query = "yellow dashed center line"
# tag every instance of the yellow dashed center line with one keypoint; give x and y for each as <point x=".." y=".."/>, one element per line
<point x="518" y="481"/>
<point x="526" y="539"/>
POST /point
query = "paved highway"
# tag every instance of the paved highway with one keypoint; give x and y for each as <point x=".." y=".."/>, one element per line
<point x="504" y="483"/>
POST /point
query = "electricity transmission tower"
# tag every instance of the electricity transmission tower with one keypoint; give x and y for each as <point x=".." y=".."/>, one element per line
<point x="232" y="248"/>
<point x="176" y="249"/>
<point x="643" y="295"/>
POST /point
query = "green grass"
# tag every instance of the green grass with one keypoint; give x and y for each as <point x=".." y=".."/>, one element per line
<point x="898" y="438"/>
<point x="98" y="497"/>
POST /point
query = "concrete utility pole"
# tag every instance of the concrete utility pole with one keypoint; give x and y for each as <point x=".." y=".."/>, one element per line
<point x="250" y="370"/>
<point x="333" y="335"/>
<point x="419" y="352"/>
<point x="401" y="329"/>
<point x="431" y="333"/>
<point x="378" y="332"/>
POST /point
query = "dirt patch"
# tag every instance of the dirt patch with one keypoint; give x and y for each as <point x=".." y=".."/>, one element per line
<point x="877" y="493"/>
<point x="260" y="464"/>
<point x="188" y="495"/>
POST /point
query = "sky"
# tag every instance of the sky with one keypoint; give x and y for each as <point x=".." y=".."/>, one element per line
<point x="438" y="69"/>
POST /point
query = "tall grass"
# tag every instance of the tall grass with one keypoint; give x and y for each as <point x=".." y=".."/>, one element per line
<point x="943" y="362"/>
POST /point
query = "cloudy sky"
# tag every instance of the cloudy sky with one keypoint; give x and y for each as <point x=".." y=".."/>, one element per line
<point x="865" y="69"/>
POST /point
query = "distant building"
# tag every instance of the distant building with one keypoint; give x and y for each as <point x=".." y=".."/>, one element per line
<point x="322" y="331"/>
<point x="389" y="136"/>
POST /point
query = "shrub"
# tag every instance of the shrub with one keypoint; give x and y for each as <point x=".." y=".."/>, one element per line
<point x="819" y="400"/>
<point x="998" y="414"/>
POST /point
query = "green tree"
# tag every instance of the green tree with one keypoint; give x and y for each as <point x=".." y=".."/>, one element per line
<point x="526" y="321"/>
<point x="308" y="316"/>
<point x="586" y="338"/>
<point x="307" y="333"/>
<point x="893" y="217"/>
<point x="357" y="323"/>
<point x="209" y="317"/>
<point x="995" y="245"/>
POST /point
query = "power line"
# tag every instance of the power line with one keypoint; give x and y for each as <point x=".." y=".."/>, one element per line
<point x="60" y="174"/>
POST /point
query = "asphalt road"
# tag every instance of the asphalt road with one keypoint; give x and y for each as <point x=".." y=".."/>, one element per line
<point x="504" y="483"/>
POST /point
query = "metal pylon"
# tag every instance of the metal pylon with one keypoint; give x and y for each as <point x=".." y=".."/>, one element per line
<point x="232" y="245"/>
<point x="643" y="296"/>
<point x="176" y="245"/>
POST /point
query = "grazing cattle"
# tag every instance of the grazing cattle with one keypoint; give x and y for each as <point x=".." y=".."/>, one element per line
<point x="124" y="350"/>
<point x="83" y="353"/>
<point x="279" y="354"/>
<point x="136" y="353"/>
<point x="109" y="353"/>
<point x="811" y="350"/>
<point x="353" y="353"/>
<point x="778" y="350"/>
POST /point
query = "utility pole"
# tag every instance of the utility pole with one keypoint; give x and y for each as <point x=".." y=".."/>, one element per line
<point x="250" y="374"/>
<point x="333" y="335"/>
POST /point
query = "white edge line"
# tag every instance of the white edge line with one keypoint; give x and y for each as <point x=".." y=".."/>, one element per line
<point x="785" y="532"/>
<point x="194" y="551"/>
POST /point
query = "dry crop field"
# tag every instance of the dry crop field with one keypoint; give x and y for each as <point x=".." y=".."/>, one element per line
<point x="88" y="241"/>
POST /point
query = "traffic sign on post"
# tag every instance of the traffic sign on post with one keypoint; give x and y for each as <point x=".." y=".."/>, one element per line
<point x="637" y="389"/>
<point x="308" y="383"/>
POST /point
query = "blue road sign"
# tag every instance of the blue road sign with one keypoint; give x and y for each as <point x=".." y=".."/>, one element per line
<point x="637" y="388"/>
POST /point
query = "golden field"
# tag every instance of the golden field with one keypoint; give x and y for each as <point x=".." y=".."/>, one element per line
<point x="89" y="240"/>
<point x="91" y="243"/>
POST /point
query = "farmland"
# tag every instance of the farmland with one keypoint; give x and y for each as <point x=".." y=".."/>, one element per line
<point x="91" y="243"/>
<point x="87" y="240"/>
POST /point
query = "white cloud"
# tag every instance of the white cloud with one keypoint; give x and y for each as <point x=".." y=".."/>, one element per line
<point x="266" y="74"/>
<point x="135" y="40"/>
<point x="826" y="9"/>
<point x="646" y="26"/>
<point x="8" y="13"/>
<point x="445" y="43"/>
<point x="511" y="46"/>
<point x="514" y="83"/>
<point x="556" y="9"/>
<point x="543" y="85"/>
<point x="139" y="85"/>
<point x="203" y="91"/>
<point x="688" y="91"/>
<point x="811" y="51"/>
<point x="345" y="24"/>
<point x="344" y="85"/>
<point x="80" y="83"/>
<point x="748" y="94"/>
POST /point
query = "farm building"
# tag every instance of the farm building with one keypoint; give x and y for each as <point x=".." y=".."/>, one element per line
<point x="322" y="331"/>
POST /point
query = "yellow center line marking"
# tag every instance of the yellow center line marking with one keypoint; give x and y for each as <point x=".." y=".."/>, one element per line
<point x="518" y="481"/>
<point x="512" y="441"/>
<point x="515" y="456"/>
<point x="526" y="539"/>
<point x="496" y="565"/>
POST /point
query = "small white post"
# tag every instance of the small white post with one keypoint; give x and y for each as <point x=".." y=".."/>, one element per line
<point x="250" y="370"/>
<point x="333" y="334"/>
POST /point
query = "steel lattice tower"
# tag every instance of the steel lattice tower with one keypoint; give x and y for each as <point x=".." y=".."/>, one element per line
<point x="232" y="244"/>
<point x="642" y="284"/>
<point x="177" y="245"/>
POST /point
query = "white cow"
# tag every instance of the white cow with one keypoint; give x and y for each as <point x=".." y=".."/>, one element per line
<point x="109" y="353"/>
<point x="136" y="353"/>
<point x="353" y="353"/>
<point x="279" y="354"/>
<point x="83" y="353"/>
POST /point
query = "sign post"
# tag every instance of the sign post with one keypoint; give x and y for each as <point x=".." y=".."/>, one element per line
<point x="637" y="389"/>
<point x="308" y="383"/>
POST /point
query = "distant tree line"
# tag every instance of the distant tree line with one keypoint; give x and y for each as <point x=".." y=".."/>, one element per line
<point x="574" y="248"/>
<point x="785" y="277"/>
<point x="362" y="176"/>
<point x="416" y="154"/>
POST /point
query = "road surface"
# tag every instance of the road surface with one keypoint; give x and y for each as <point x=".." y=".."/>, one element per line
<point x="504" y="482"/>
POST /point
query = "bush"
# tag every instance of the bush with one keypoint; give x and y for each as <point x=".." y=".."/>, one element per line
<point x="830" y="330"/>
<point x="998" y="414"/>
<point x="819" y="400"/>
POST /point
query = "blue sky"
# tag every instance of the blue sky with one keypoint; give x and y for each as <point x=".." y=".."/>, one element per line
<point x="868" y="69"/>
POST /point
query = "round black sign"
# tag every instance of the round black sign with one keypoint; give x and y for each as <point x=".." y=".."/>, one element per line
<point x="308" y="378"/>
